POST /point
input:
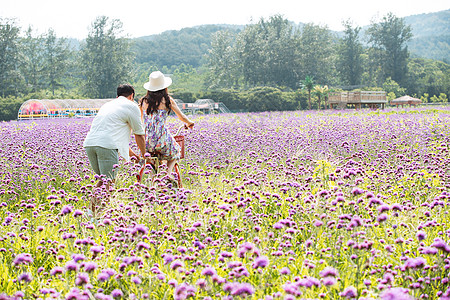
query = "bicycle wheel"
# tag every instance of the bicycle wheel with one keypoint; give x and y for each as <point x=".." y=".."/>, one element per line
<point x="176" y="169"/>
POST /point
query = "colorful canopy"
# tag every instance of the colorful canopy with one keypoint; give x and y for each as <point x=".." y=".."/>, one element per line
<point x="35" y="108"/>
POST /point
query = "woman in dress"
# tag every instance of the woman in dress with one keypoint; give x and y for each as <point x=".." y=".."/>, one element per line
<point x="156" y="106"/>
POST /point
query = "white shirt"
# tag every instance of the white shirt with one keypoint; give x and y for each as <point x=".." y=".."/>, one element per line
<point x="112" y="126"/>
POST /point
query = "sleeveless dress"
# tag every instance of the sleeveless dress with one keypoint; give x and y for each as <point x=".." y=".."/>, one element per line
<point x="158" y="137"/>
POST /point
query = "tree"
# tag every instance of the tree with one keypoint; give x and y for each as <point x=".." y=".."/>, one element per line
<point x="267" y="53"/>
<point x="349" y="59"/>
<point x="308" y="84"/>
<point x="9" y="58"/>
<point x="390" y="37"/>
<point x="105" y="58"/>
<point x="31" y="60"/>
<point x="321" y="92"/>
<point x="315" y="50"/>
<point x="393" y="88"/>
<point x="56" y="55"/>
<point x="222" y="62"/>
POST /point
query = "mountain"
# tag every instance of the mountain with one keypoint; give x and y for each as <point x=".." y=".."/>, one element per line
<point x="431" y="35"/>
<point x="431" y="39"/>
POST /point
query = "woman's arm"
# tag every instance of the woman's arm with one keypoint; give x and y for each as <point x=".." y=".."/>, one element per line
<point x="180" y="114"/>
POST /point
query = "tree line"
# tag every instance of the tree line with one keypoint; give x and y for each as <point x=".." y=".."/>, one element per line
<point x="243" y="68"/>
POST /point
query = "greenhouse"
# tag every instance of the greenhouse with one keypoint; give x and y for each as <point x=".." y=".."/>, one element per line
<point x="59" y="108"/>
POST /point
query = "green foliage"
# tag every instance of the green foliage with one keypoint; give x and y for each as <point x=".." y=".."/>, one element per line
<point x="232" y="99"/>
<point x="390" y="37"/>
<point x="9" y="107"/>
<point x="105" y="58"/>
<point x="10" y="79"/>
<point x="428" y="76"/>
<point x="390" y="86"/>
<point x="349" y="59"/>
<point x="186" y="46"/>
<point x="269" y="99"/>
<point x="441" y="99"/>
<point x="431" y="35"/>
<point x="316" y="53"/>
<point x="222" y="61"/>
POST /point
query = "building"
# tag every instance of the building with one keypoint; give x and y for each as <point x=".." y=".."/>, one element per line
<point x="371" y="99"/>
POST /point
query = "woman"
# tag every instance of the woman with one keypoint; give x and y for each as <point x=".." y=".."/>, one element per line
<point x="156" y="105"/>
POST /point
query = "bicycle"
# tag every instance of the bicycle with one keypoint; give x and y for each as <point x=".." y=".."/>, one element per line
<point x="152" y="163"/>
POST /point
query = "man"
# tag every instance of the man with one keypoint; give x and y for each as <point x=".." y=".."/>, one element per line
<point x="110" y="134"/>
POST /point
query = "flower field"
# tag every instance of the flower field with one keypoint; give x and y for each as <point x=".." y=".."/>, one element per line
<point x="280" y="205"/>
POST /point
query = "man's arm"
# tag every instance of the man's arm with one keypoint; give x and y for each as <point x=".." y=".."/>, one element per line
<point x="140" y="141"/>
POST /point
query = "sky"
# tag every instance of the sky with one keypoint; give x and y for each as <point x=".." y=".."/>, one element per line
<point x="72" y="19"/>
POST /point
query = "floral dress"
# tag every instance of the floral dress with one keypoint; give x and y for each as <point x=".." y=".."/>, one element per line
<point x="159" y="139"/>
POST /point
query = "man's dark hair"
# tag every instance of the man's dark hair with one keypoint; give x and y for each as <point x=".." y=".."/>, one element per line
<point x="125" y="90"/>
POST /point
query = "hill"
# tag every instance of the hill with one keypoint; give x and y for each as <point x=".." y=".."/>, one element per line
<point x="431" y="39"/>
<point x="431" y="35"/>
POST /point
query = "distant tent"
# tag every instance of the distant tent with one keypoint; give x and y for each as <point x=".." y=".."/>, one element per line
<point x="59" y="108"/>
<point x="406" y="100"/>
<point x="204" y="106"/>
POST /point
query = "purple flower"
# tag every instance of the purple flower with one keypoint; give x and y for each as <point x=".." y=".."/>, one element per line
<point x="90" y="266"/>
<point x="357" y="191"/>
<point x="176" y="264"/>
<point x="329" y="281"/>
<point x="309" y="282"/>
<point x="396" y="294"/>
<point x="103" y="276"/>
<point x="75" y="294"/>
<point x="116" y="293"/>
<point x="414" y="263"/>
<point x="71" y="266"/>
<point x="277" y="225"/>
<point x="382" y="218"/>
<point x="328" y="271"/>
<point x="260" y="262"/>
<point x="22" y="258"/>
<point x="349" y="292"/>
<point x="77" y="213"/>
<point x="168" y="258"/>
<point x="66" y="209"/>
<point x="429" y="251"/>
<point x="421" y="235"/>
<point x="82" y="278"/>
<point x="24" y="277"/>
<point x="317" y="223"/>
<point x="141" y="228"/>
<point x="96" y="249"/>
<point x="78" y="257"/>
<point x="241" y="289"/>
<point x="291" y="289"/>
<point x="285" y="271"/>
<point x="136" y="280"/>
<point x="208" y="271"/>
<point x="142" y="245"/>
<point x="183" y="291"/>
<point x="441" y="245"/>
<point x="56" y="271"/>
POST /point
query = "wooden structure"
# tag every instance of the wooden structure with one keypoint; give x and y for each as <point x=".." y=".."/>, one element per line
<point x="373" y="99"/>
<point x="406" y="100"/>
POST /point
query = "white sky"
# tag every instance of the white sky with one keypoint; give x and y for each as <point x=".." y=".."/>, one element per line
<point x="141" y="18"/>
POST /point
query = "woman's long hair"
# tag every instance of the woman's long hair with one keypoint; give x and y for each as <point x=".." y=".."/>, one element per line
<point x="153" y="99"/>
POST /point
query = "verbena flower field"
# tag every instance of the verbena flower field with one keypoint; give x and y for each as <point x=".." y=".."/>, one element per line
<point x="282" y="205"/>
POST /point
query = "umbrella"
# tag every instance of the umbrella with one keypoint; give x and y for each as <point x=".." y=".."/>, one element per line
<point x="406" y="100"/>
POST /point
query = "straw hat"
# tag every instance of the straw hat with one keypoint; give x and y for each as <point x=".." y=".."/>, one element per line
<point x="157" y="81"/>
